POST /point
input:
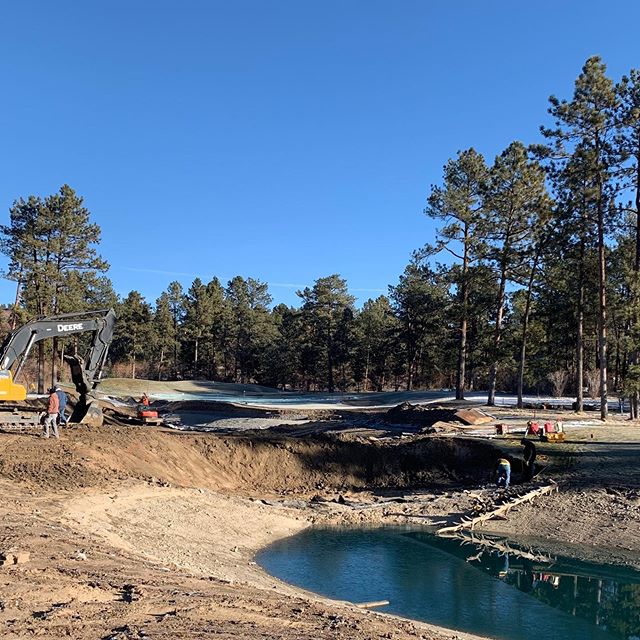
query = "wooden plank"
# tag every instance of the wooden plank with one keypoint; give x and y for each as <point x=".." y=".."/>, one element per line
<point x="473" y="416"/>
<point x="372" y="604"/>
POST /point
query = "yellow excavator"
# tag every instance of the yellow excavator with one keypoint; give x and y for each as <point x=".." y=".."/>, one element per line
<point x="85" y="371"/>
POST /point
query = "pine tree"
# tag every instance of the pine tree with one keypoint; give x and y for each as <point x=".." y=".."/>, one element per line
<point x="162" y="335"/>
<point x="588" y="122"/>
<point x="45" y="241"/>
<point x="459" y="204"/>
<point x="251" y="328"/>
<point x="376" y="328"/>
<point x="629" y="150"/>
<point x="198" y="320"/>
<point x="176" y="299"/>
<point x="284" y="355"/>
<point x="515" y="194"/>
<point x="421" y="304"/>
<point x="327" y="308"/>
<point x="133" y="331"/>
<point x="215" y="334"/>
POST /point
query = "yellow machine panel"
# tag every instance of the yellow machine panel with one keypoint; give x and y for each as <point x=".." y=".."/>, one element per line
<point x="10" y="392"/>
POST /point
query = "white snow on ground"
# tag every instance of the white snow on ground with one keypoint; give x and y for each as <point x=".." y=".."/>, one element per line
<point x="313" y="400"/>
<point x="368" y="400"/>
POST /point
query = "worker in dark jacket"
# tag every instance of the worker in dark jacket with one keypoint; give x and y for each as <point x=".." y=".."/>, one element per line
<point x="62" y="401"/>
<point x="529" y="459"/>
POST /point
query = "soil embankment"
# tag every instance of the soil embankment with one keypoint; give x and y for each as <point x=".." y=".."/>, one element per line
<point x="259" y="463"/>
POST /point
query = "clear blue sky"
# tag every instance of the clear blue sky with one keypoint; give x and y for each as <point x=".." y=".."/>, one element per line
<point x="284" y="140"/>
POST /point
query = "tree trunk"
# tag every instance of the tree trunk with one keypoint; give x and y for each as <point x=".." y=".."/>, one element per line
<point x="580" y="334"/>
<point x="16" y="304"/>
<point x="330" y="363"/>
<point x="40" y="367"/>
<point x="634" y="400"/>
<point x="525" y="328"/>
<point x="496" y="339"/>
<point x="175" y="346"/>
<point x="616" y="368"/>
<point x="366" y="370"/>
<point x="462" y="346"/>
<point x="410" y="359"/>
<point x="602" y="295"/>
<point x="54" y="362"/>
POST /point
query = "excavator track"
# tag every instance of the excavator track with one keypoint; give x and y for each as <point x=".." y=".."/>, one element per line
<point x="19" y="421"/>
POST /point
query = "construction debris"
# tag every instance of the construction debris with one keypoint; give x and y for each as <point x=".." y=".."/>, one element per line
<point x="473" y="416"/>
<point x="470" y="523"/>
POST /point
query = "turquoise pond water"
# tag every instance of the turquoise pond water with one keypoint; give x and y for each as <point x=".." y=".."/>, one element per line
<point x="462" y="587"/>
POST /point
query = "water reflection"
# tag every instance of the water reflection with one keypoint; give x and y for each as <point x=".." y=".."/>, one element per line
<point x="609" y="597"/>
<point x="487" y="588"/>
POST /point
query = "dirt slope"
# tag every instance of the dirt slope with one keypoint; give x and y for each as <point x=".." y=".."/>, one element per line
<point x="251" y="462"/>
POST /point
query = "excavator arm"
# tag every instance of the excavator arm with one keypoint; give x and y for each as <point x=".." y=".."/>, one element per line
<point x="85" y="372"/>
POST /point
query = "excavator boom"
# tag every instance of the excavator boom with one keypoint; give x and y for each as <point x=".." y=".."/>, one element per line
<point x="85" y="372"/>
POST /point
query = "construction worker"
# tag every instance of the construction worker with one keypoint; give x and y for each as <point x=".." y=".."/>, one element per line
<point x="503" y="473"/>
<point x="62" y="400"/>
<point x="529" y="459"/>
<point x="51" y="419"/>
<point x="144" y="400"/>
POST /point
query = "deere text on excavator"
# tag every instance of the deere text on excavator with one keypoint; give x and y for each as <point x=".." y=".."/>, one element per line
<point x="85" y="371"/>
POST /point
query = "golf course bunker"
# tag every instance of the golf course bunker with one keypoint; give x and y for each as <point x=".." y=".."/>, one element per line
<point x="476" y="589"/>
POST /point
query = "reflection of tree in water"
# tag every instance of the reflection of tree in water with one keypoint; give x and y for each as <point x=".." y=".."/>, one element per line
<point x="621" y="613"/>
<point x="606" y="603"/>
<point x="606" y="596"/>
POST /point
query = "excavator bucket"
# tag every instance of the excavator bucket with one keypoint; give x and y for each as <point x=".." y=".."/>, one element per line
<point x="87" y="411"/>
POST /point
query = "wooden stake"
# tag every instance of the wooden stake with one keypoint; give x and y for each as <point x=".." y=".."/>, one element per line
<point x="372" y="604"/>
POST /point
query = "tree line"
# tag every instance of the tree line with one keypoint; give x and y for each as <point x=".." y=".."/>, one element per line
<point x="529" y="285"/>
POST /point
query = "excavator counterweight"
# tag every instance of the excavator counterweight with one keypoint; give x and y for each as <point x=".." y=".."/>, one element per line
<point x="9" y="390"/>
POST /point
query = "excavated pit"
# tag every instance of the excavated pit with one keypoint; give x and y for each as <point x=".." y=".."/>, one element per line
<point x="251" y="463"/>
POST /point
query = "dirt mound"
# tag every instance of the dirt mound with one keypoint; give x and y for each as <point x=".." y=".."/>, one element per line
<point x="240" y="463"/>
<point x="419" y="415"/>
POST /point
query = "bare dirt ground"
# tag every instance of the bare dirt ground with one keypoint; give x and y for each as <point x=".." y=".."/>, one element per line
<point x="150" y="533"/>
